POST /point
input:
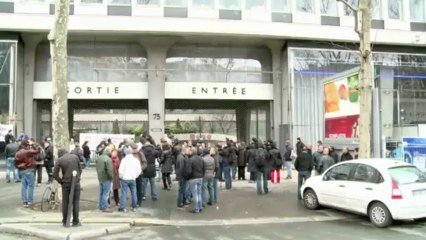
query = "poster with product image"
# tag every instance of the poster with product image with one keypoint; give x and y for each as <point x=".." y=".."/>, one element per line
<point x="342" y="107"/>
<point x="415" y="152"/>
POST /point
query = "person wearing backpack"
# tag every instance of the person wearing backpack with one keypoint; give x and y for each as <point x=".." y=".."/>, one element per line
<point x="260" y="158"/>
<point x="25" y="162"/>
<point x="277" y="163"/>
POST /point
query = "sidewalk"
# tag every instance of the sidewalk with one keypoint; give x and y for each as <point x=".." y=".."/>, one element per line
<point x="238" y="206"/>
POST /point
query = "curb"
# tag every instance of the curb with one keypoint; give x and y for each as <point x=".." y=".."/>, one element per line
<point x="162" y="222"/>
<point x="23" y="229"/>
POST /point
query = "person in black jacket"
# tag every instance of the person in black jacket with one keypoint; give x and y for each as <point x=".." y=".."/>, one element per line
<point x="49" y="161"/>
<point x="304" y="164"/>
<point x="276" y="163"/>
<point x="346" y="156"/>
<point x="242" y="161"/>
<point x="299" y="146"/>
<point x="166" y="164"/>
<point x="67" y="164"/>
<point x="251" y="165"/>
<point x="196" y="182"/>
<point x="86" y="154"/>
<point x="151" y="155"/>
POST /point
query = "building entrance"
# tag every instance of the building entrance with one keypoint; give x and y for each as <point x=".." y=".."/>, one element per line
<point x="216" y="120"/>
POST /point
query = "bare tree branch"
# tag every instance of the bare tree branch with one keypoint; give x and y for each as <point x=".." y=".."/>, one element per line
<point x="355" y="10"/>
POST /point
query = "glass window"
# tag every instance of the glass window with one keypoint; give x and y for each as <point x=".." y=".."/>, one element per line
<point x="205" y="4"/>
<point x="339" y="173"/>
<point x="407" y="175"/>
<point x="91" y="1"/>
<point x="348" y="11"/>
<point x="176" y="3"/>
<point x="417" y="10"/>
<point x="230" y="4"/>
<point x="189" y="63"/>
<point x="259" y="5"/>
<point x="395" y="9"/>
<point x="365" y="173"/>
<point x="96" y="62"/>
<point x="329" y="7"/>
<point x="280" y="6"/>
<point x="148" y="2"/>
<point x="377" y="9"/>
<point x="121" y="2"/>
<point x="305" y="6"/>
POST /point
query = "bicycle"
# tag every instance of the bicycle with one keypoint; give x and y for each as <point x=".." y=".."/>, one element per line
<point x="48" y="202"/>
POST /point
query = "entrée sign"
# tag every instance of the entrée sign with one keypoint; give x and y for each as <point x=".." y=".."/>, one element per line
<point x="219" y="90"/>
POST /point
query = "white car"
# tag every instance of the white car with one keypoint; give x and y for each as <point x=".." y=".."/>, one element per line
<point x="383" y="189"/>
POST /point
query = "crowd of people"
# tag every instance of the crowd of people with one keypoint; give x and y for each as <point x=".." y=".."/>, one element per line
<point x="130" y="167"/>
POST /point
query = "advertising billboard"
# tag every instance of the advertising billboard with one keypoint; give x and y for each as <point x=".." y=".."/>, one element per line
<point x="415" y="152"/>
<point x="342" y="107"/>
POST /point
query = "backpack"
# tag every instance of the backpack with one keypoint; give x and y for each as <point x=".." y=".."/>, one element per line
<point x="21" y="161"/>
<point x="260" y="157"/>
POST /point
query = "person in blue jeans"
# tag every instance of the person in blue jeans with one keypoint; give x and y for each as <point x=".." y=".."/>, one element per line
<point x="149" y="174"/>
<point x="183" y="183"/>
<point x="10" y="152"/>
<point x="130" y="168"/>
<point x="105" y="171"/>
<point x="25" y="162"/>
<point x="261" y="156"/>
<point x="226" y="167"/>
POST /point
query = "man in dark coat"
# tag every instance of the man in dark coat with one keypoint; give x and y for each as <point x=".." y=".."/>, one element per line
<point x="166" y="163"/>
<point x="151" y="154"/>
<point x="251" y="164"/>
<point x="299" y="146"/>
<point x="346" y="156"/>
<point x="67" y="164"/>
<point x="304" y="164"/>
<point x="49" y="161"/>
<point x="180" y="166"/>
<point x="242" y="161"/>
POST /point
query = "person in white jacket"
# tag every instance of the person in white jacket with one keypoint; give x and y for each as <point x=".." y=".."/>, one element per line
<point x="130" y="168"/>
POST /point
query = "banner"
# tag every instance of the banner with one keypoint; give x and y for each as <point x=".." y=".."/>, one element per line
<point x="4" y="129"/>
<point x="415" y="152"/>
<point x="95" y="138"/>
<point x="342" y="107"/>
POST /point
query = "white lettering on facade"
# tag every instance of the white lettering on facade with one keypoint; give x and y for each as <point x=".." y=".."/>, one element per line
<point x="215" y="90"/>
<point x="95" y="90"/>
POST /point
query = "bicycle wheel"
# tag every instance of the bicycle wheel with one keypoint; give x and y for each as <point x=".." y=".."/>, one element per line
<point x="45" y="200"/>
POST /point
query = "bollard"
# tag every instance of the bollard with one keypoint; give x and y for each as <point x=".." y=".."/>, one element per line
<point x="71" y="198"/>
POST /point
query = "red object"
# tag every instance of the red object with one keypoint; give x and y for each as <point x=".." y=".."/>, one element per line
<point x="396" y="192"/>
<point x="340" y="127"/>
<point x="272" y="176"/>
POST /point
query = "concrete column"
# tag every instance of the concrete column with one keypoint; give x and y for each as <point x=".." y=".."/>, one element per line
<point x="156" y="49"/>
<point x="30" y="44"/>
<point x="276" y="111"/>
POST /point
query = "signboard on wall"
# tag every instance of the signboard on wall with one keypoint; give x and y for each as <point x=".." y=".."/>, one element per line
<point x="209" y="90"/>
<point x="415" y="152"/>
<point x="95" y="90"/>
<point x="342" y="107"/>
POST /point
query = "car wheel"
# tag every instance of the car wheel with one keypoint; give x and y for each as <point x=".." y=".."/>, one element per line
<point x="379" y="215"/>
<point x="310" y="199"/>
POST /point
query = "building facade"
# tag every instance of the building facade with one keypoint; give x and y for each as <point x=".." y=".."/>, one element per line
<point x="244" y="68"/>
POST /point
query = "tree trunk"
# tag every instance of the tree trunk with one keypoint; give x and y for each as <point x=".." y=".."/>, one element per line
<point x="58" y="53"/>
<point x="365" y="85"/>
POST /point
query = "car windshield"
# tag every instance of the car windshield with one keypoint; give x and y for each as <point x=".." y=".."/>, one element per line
<point x="407" y="174"/>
